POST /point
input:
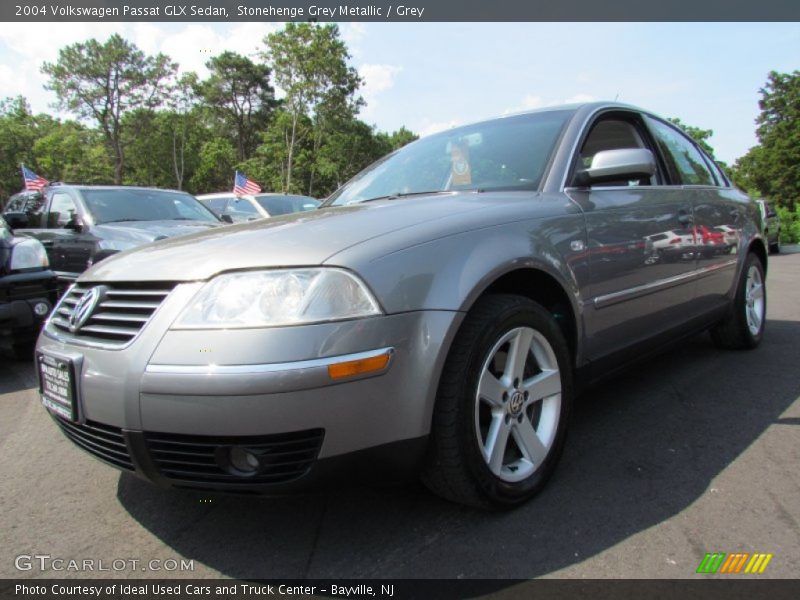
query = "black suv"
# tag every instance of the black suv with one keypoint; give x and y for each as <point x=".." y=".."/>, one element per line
<point x="80" y="225"/>
<point x="27" y="290"/>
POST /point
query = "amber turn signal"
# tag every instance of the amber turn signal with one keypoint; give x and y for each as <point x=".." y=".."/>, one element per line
<point x="359" y="367"/>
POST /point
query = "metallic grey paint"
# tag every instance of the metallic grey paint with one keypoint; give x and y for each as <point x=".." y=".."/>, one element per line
<point x="426" y="259"/>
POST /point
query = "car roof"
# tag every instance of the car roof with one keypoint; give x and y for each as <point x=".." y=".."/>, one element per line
<point x="573" y="108"/>
<point x="81" y="187"/>
<point x="218" y="195"/>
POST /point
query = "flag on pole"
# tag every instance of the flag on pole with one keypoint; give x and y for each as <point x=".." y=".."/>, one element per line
<point x="242" y="185"/>
<point x="33" y="181"/>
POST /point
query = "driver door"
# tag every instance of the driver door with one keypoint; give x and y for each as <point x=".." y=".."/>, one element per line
<point x="639" y="244"/>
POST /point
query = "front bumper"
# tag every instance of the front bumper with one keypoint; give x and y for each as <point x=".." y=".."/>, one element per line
<point x="203" y="392"/>
<point x="25" y="301"/>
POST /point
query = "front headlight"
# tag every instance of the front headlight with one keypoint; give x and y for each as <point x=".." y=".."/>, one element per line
<point x="28" y="254"/>
<point x="278" y="298"/>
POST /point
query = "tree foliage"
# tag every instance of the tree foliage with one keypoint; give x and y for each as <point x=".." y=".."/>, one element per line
<point x="139" y="124"/>
<point x="772" y="169"/>
<point x="310" y="63"/>
<point x="239" y="93"/>
<point x="103" y="81"/>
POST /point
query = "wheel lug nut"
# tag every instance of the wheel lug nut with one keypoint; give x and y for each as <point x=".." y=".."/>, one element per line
<point x="508" y="418"/>
<point x="505" y="396"/>
<point x="516" y="383"/>
<point x="519" y="419"/>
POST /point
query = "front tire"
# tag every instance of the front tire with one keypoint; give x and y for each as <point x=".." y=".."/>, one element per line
<point x="743" y="328"/>
<point x="503" y="405"/>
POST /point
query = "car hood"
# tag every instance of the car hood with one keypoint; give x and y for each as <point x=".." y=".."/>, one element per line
<point x="298" y="239"/>
<point x="144" y="232"/>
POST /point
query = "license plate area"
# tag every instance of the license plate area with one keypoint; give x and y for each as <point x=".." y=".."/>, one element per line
<point x="57" y="386"/>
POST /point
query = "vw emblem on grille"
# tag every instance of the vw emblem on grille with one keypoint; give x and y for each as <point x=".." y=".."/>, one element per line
<point x="85" y="307"/>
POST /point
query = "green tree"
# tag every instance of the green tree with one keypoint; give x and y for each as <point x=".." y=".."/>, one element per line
<point x="216" y="163"/>
<point x="103" y="81"/>
<point x="72" y="152"/>
<point x="774" y="167"/>
<point x="18" y="132"/>
<point x="238" y="91"/>
<point x="310" y="66"/>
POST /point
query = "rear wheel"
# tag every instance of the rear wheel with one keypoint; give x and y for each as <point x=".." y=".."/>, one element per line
<point x="776" y="247"/>
<point x="504" y="400"/>
<point x="743" y="328"/>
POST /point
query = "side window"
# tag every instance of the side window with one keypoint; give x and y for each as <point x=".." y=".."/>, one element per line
<point x="684" y="161"/>
<point x="611" y="134"/>
<point x="34" y="207"/>
<point x="62" y="209"/>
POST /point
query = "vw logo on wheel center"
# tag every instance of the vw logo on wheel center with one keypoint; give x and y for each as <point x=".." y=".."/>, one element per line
<point x="515" y="404"/>
<point x="85" y="307"/>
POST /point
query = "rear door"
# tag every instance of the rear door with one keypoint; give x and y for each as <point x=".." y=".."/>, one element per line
<point x="719" y="213"/>
<point x="637" y="282"/>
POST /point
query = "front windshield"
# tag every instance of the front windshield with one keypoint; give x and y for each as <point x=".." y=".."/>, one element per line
<point x="120" y="205"/>
<point x="504" y="154"/>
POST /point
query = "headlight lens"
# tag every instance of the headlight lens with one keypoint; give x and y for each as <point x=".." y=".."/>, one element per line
<point x="278" y="298"/>
<point x="28" y="254"/>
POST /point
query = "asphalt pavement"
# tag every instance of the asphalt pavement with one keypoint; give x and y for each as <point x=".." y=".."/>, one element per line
<point x="696" y="451"/>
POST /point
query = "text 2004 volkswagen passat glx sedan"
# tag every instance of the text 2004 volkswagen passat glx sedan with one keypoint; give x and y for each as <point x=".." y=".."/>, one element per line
<point x="435" y="314"/>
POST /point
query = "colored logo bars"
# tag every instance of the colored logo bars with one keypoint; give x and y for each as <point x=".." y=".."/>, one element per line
<point x="738" y="562"/>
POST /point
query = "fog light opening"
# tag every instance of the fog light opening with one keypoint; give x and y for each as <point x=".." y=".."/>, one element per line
<point x="243" y="461"/>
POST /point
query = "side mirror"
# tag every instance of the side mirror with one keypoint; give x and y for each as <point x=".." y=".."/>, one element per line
<point x="617" y="165"/>
<point x="226" y="219"/>
<point x="74" y="224"/>
<point x="16" y="220"/>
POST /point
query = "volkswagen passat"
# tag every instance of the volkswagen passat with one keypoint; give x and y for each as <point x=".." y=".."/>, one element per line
<point x="436" y="314"/>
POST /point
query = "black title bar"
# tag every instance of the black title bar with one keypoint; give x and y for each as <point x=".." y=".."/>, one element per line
<point x="394" y="11"/>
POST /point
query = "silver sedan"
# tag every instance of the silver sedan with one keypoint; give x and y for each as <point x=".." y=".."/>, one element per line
<point x="436" y="316"/>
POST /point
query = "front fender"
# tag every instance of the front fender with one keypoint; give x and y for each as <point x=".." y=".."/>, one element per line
<point x="451" y="272"/>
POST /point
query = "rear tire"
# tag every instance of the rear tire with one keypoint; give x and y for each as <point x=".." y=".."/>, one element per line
<point x="743" y="328"/>
<point x="776" y="247"/>
<point x="503" y="405"/>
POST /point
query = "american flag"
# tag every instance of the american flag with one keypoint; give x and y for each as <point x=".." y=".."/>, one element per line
<point x="32" y="180"/>
<point x="242" y="185"/>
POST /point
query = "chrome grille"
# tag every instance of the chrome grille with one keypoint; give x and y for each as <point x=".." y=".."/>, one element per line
<point x="120" y="315"/>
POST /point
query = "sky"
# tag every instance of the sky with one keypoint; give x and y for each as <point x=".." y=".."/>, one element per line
<point x="432" y="76"/>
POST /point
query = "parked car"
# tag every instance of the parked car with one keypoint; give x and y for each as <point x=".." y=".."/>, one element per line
<point x="27" y="291"/>
<point x="437" y="314"/>
<point x="772" y="225"/>
<point x="673" y="245"/>
<point x="81" y="225"/>
<point x="237" y="209"/>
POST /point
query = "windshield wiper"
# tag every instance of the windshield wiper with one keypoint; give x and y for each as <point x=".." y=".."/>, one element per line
<point x="398" y="195"/>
